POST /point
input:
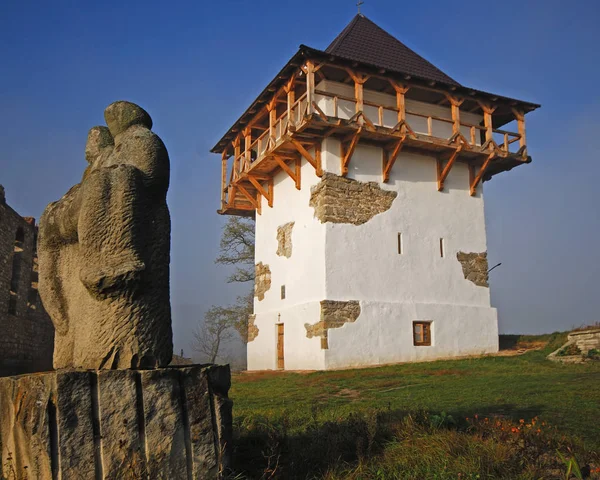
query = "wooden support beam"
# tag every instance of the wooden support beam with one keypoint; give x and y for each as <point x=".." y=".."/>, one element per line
<point x="347" y="150"/>
<point x="455" y="107"/>
<point x="520" y="116"/>
<point x="291" y="97"/>
<point x="310" y="85"/>
<point x="487" y="119"/>
<point x="247" y="132"/>
<point x="309" y="158"/>
<point x="247" y="194"/>
<point x="295" y="176"/>
<point x="268" y="194"/>
<point x="223" y="176"/>
<point x="477" y="178"/>
<point x="359" y="81"/>
<point x="400" y="100"/>
<point x="443" y="173"/>
<point x="389" y="158"/>
<point x="318" y="168"/>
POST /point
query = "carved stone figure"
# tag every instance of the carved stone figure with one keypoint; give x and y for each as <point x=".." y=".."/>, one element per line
<point x="104" y="251"/>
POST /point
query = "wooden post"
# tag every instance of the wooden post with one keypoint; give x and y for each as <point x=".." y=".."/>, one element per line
<point x="223" y="176"/>
<point x="291" y="98"/>
<point x="520" y="116"/>
<point x="455" y="106"/>
<point x="358" y="95"/>
<point x="400" y="103"/>
<point x="310" y="85"/>
<point x="272" y="119"/>
<point x="487" y="120"/>
<point x="237" y="151"/>
<point x="247" y="132"/>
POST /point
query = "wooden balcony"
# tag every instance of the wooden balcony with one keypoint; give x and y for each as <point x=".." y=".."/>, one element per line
<point x="297" y="131"/>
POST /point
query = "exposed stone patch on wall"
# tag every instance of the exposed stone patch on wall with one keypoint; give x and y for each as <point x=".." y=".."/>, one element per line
<point x="252" y="328"/>
<point x="475" y="267"/>
<point x="26" y="331"/>
<point x="262" y="280"/>
<point x="343" y="200"/>
<point x="334" y="314"/>
<point x="284" y="240"/>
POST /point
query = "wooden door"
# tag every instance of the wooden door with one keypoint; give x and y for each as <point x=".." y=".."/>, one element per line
<point x="280" y="363"/>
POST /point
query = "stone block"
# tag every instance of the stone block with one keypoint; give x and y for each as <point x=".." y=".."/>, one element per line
<point x="171" y="423"/>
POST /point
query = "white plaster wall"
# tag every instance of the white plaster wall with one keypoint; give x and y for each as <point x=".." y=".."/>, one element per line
<point x="303" y="275"/>
<point x="383" y="334"/>
<point x="300" y="352"/>
<point x="362" y="262"/>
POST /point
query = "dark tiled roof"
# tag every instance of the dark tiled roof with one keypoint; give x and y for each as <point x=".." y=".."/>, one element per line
<point x="365" y="42"/>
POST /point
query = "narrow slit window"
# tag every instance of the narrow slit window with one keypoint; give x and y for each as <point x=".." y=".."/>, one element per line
<point x="422" y="334"/>
<point x="442" y="247"/>
<point x="283" y="292"/>
<point x="399" y="244"/>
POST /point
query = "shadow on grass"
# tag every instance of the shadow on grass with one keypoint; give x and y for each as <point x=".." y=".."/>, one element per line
<point x="308" y="448"/>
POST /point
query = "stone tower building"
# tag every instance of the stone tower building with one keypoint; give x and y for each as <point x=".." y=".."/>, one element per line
<point x="26" y="331"/>
<point x="363" y="166"/>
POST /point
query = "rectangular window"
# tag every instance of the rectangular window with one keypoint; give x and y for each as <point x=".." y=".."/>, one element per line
<point x="399" y="244"/>
<point x="422" y="334"/>
<point x="442" y="247"/>
<point x="283" y="292"/>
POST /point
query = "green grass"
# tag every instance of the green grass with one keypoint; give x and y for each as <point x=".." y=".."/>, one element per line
<point x="276" y="413"/>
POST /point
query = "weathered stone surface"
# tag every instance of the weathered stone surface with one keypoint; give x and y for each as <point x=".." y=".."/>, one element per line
<point x="475" y="267"/>
<point x="104" y="251"/>
<point x="343" y="200"/>
<point x="122" y="450"/>
<point x="77" y="415"/>
<point x="26" y="331"/>
<point x="252" y="328"/>
<point x="334" y="314"/>
<point x="172" y="423"/>
<point x="262" y="280"/>
<point x="284" y="240"/>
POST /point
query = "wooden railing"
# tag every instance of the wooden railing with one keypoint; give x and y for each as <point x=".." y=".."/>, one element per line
<point x="470" y="131"/>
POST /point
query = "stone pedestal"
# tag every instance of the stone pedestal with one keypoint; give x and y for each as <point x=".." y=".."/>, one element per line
<point x="168" y="423"/>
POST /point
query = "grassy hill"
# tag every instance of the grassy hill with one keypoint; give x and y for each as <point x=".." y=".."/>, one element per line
<point x="488" y="417"/>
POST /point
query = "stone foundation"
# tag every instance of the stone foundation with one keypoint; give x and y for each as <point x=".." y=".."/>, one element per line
<point x="169" y="423"/>
<point x="344" y="200"/>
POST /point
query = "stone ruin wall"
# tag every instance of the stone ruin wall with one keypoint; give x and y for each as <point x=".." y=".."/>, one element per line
<point x="26" y="331"/>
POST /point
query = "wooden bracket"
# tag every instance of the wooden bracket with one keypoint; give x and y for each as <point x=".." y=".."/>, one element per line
<point x="442" y="173"/>
<point x="347" y="150"/>
<point x="247" y="194"/>
<point x="389" y="158"/>
<point x="267" y="194"/>
<point x="475" y="179"/>
<point x="320" y="113"/>
<point x="403" y="125"/>
<point x="315" y="162"/>
<point x="295" y="176"/>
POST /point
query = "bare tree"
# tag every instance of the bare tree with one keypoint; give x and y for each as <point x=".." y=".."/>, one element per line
<point x="237" y="248"/>
<point x="220" y="323"/>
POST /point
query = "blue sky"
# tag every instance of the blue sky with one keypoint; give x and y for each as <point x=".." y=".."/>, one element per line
<point x="195" y="66"/>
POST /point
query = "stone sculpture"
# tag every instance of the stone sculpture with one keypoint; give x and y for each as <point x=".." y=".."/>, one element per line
<point x="104" y="251"/>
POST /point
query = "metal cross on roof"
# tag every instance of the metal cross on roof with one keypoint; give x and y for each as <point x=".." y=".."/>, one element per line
<point x="358" y="4"/>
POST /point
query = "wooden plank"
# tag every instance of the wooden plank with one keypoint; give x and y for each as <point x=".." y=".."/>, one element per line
<point x="479" y="176"/>
<point x="247" y="194"/>
<point x="443" y="174"/>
